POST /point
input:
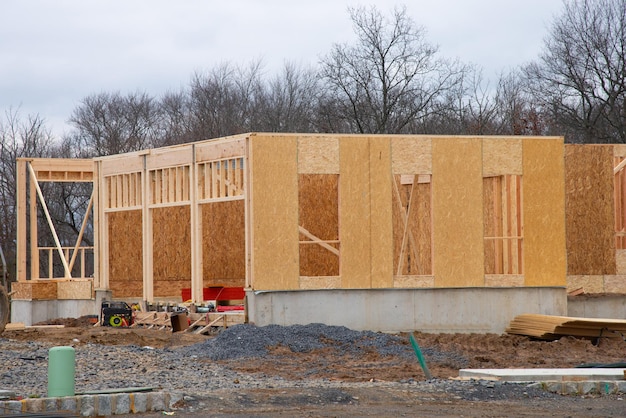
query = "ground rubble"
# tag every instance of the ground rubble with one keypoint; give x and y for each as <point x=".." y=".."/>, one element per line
<point x="276" y="368"/>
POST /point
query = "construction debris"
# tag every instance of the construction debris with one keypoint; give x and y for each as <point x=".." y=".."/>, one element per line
<point x="549" y="327"/>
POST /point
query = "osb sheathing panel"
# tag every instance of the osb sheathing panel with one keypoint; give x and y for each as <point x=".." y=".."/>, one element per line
<point x="318" y="214"/>
<point x="34" y="290"/>
<point x="458" y="215"/>
<point x="411" y="155"/>
<point x="615" y="284"/>
<point x="589" y="284"/>
<point x="327" y="282"/>
<point x="502" y="156"/>
<point x="354" y="212"/>
<point x="412" y="228"/>
<point x="274" y="212"/>
<point x="504" y="280"/>
<point x="619" y="150"/>
<point x="171" y="251"/>
<point x="590" y="235"/>
<point x="544" y="209"/>
<point x="318" y="155"/>
<point x="125" y="254"/>
<point x="75" y="289"/>
<point x="223" y="244"/>
<point x="381" y="212"/>
<point x="408" y="282"/>
<point x="620" y="261"/>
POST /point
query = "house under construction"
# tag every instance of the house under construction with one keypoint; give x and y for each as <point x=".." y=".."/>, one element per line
<point x="379" y="232"/>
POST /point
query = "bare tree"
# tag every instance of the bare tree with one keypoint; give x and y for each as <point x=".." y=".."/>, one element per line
<point x="223" y="101"/>
<point x="19" y="137"/>
<point x="580" y="78"/>
<point x="389" y="78"/>
<point x="288" y="102"/>
<point x="112" y="124"/>
<point x="176" y="119"/>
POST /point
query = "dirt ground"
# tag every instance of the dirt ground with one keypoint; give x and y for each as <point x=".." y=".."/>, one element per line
<point x="474" y="351"/>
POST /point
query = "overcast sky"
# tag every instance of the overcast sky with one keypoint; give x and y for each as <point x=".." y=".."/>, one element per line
<point x="53" y="53"/>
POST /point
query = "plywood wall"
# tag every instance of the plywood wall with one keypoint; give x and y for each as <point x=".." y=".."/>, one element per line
<point x="171" y="250"/>
<point x="318" y="203"/>
<point x="274" y="212"/>
<point x="125" y="254"/>
<point x="381" y="182"/>
<point x="544" y="212"/>
<point x="590" y="210"/>
<point x="355" y="213"/>
<point x="347" y="211"/>
<point x="458" y="212"/>
<point x="223" y="244"/>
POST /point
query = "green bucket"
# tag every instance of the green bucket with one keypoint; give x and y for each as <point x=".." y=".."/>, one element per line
<point x="61" y="371"/>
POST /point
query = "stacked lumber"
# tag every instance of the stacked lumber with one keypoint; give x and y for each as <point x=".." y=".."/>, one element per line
<point x="550" y="327"/>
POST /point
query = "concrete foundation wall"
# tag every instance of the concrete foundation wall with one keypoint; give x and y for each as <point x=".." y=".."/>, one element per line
<point x="466" y="310"/>
<point x="605" y="306"/>
<point x="31" y="312"/>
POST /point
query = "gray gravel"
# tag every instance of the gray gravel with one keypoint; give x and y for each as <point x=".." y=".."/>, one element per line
<point x="23" y="366"/>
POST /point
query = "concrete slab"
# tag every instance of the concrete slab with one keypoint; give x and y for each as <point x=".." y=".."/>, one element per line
<point x="545" y="375"/>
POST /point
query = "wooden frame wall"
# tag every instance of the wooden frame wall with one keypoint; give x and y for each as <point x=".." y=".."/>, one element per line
<point x="30" y="173"/>
<point x="168" y="190"/>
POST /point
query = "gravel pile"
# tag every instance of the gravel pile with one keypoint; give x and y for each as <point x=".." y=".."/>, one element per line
<point x="249" y="341"/>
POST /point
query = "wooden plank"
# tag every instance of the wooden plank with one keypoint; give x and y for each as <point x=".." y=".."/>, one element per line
<point x="553" y="327"/>
<point x="458" y="212"/>
<point x="163" y="158"/>
<point x="121" y="164"/>
<point x="355" y="212"/>
<point x="544" y="208"/>
<point x="21" y="212"/>
<point x="220" y="149"/>
<point x="274" y="214"/>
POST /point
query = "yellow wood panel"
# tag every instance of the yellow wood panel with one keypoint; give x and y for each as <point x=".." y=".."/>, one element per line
<point x="274" y="212"/>
<point x="502" y="156"/>
<point x="354" y="212"/>
<point x="318" y="155"/>
<point x="381" y="212"/>
<point x="544" y="212"/>
<point x="457" y="211"/>
<point x="411" y="155"/>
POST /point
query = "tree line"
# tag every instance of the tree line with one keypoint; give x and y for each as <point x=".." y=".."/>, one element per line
<point x="390" y="80"/>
